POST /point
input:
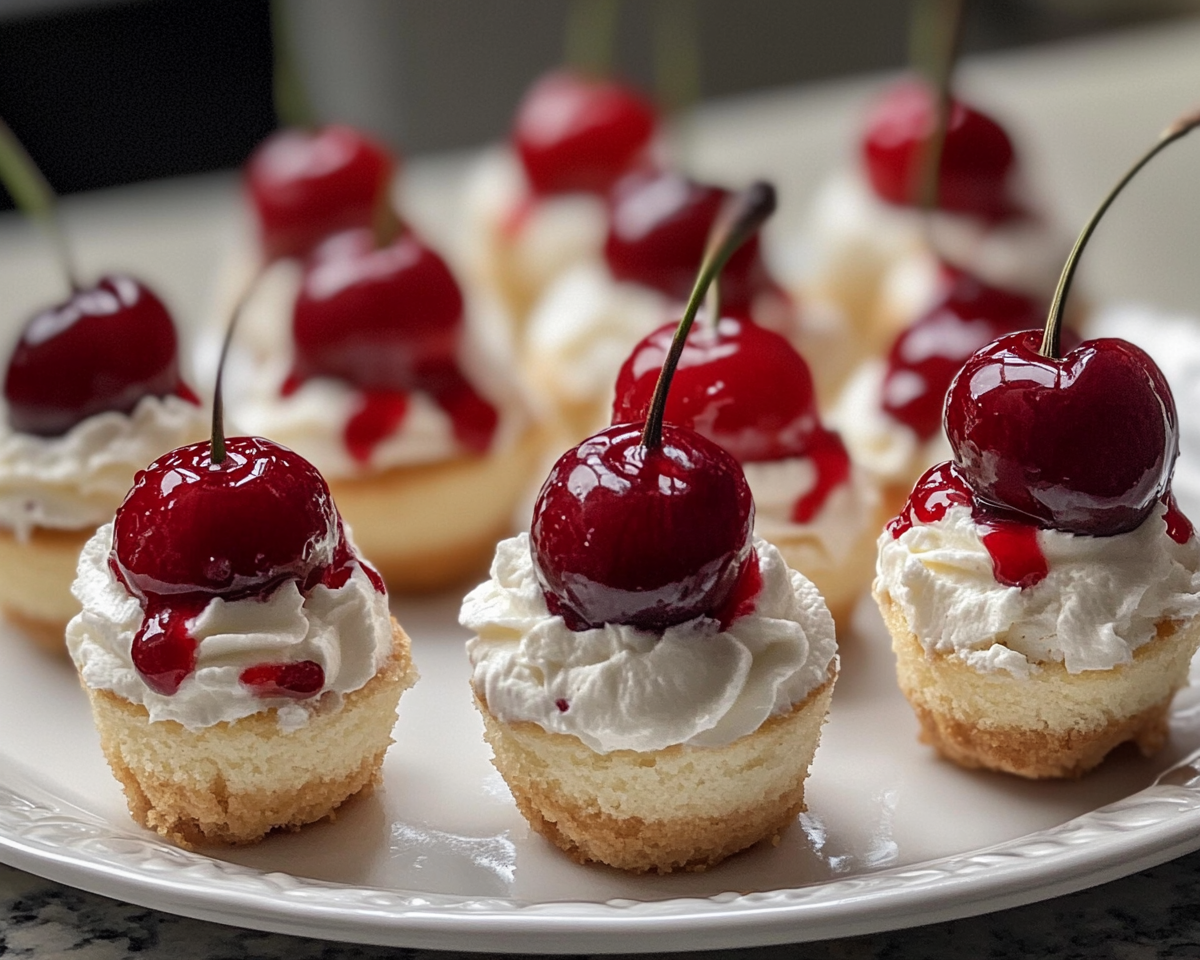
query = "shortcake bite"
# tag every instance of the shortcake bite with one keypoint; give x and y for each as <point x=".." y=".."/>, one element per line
<point x="261" y="692"/>
<point x="652" y="750"/>
<point x="1036" y="653"/>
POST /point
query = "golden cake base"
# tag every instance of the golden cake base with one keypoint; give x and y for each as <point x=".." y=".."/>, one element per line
<point x="1053" y="724"/>
<point x="235" y="782"/>
<point x="679" y="808"/>
<point x="35" y="591"/>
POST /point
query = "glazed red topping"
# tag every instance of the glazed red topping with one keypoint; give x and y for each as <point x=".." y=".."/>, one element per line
<point x="1179" y="527"/>
<point x="1017" y="560"/>
<point x="746" y="389"/>
<point x="977" y="156"/>
<point x="925" y="357"/>
<point x="1084" y="444"/>
<point x="576" y="133"/>
<point x="744" y="599"/>
<point x="104" y="348"/>
<point x="306" y="185"/>
<point x="563" y="705"/>
<point x="388" y="321"/>
<point x="299" y="679"/>
<point x="163" y="651"/>
<point x="659" y="223"/>
<point x="647" y="537"/>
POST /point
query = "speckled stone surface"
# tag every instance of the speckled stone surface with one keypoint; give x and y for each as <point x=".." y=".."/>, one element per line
<point x="1155" y="914"/>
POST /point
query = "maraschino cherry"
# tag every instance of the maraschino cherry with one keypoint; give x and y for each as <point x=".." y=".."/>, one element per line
<point x="388" y="320"/>
<point x="1083" y="442"/>
<point x="977" y="157"/>
<point x="649" y="524"/>
<point x="102" y="349"/>
<point x="580" y="133"/>
<point x="305" y="185"/>
<point x="659" y="222"/>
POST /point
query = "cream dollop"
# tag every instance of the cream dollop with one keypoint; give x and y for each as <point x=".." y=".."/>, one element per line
<point x="346" y="630"/>
<point x="1102" y="598"/>
<point x="78" y="480"/>
<point x="629" y="689"/>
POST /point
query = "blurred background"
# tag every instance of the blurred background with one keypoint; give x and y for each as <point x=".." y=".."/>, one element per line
<point x="107" y="92"/>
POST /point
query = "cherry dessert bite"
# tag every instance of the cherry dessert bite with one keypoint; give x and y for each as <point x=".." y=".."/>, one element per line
<point x="1040" y="589"/>
<point x="615" y="648"/>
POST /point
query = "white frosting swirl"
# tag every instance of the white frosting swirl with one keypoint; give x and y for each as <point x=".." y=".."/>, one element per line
<point x="629" y="689"/>
<point x="78" y="480"/>
<point x="1102" y="598"/>
<point x="888" y="449"/>
<point x="834" y="530"/>
<point x="347" y="631"/>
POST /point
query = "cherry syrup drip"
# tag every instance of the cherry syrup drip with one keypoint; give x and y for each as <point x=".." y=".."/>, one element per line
<point x="298" y="680"/>
<point x="563" y="705"/>
<point x="1179" y="527"/>
<point x="742" y="601"/>
<point x="163" y="651"/>
<point x="184" y="392"/>
<point x="379" y="416"/>
<point x="832" y="463"/>
<point x="1017" y="560"/>
<point x="338" y="573"/>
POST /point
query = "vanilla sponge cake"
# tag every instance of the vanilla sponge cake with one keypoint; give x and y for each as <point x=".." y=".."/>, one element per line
<point x="1041" y="681"/>
<point x="645" y="751"/>
<point x="217" y="761"/>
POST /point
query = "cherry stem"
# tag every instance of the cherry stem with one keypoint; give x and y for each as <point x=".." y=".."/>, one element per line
<point x="1051" y="346"/>
<point x="217" y="443"/>
<point x="33" y="196"/>
<point x="740" y="217"/>
<point x="934" y="49"/>
<point x="292" y="105"/>
<point x="590" y="36"/>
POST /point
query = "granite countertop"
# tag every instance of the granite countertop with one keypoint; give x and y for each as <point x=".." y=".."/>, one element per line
<point x="1150" y="914"/>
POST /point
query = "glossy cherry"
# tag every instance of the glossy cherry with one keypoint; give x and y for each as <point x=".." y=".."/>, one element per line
<point x="648" y="537"/>
<point x="579" y="133"/>
<point x="659" y="223"/>
<point x="305" y="185"/>
<point x="924" y="358"/>
<point x="387" y="320"/>
<point x="1083" y="443"/>
<point x="104" y="348"/>
<point x="977" y="157"/>
<point x="191" y="527"/>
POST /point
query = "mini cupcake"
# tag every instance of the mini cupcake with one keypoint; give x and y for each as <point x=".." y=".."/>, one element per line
<point x="240" y="659"/>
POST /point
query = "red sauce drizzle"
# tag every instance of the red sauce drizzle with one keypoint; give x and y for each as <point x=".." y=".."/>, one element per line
<point x="299" y="679"/>
<point x="163" y="651"/>
<point x="184" y="392"/>
<point x="474" y="419"/>
<point x="1179" y="527"/>
<point x="744" y="597"/>
<point x="562" y="705"/>
<point x="832" y="463"/>
<point x="291" y="384"/>
<point x="1017" y="560"/>
<point x="379" y="415"/>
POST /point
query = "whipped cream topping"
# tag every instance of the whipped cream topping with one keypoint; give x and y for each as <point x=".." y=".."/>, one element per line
<point x="348" y="631"/>
<point x="584" y="327"/>
<point x="312" y="420"/>
<point x="1173" y="342"/>
<point x="78" y="480"/>
<point x="851" y="228"/>
<point x="630" y="689"/>
<point x="1102" y="598"/>
<point x="541" y="236"/>
<point x="888" y="449"/>
<point x="833" y="532"/>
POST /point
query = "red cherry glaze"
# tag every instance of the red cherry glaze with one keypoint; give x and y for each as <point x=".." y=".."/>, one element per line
<point x="1084" y="444"/>
<point x="925" y="357"/>
<point x="563" y="705"/>
<point x="193" y="528"/>
<point x="742" y="601"/>
<point x="388" y="321"/>
<point x="1017" y="559"/>
<point x="163" y="651"/>
<point x="576" y="133"/>
<point x="1179" y="527"/>
<point x="658" y="229"/>
<point x="977" y="156"/>
<point x="298" y="680"/>
<point x="647" y="537"/>
<point x="306" y="185"/>
<point x="746" y="389"/>
<point x="104" y="348"/>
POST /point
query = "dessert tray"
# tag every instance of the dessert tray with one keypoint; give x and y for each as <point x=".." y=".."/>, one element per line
<point x="439" y="857"/>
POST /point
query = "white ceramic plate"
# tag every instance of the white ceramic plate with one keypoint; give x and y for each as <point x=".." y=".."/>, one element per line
<point x="440" y="858"/>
